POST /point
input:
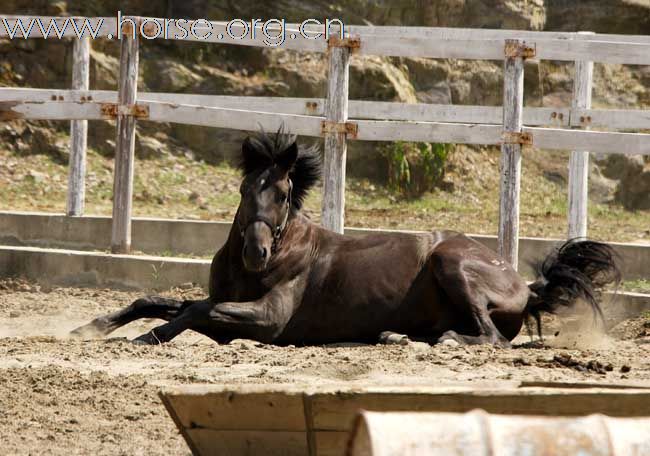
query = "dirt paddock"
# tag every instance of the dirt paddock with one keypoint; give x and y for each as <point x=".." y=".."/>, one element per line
<point x="66" y="396"/>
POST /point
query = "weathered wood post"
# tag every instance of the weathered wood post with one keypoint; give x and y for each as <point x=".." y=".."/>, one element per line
<point x="513" y="138"/>
<point x="579" y="160"/>
<point x="125" y="143"/>
<point x="335" y="129"/>
<point x="78" y="131"/>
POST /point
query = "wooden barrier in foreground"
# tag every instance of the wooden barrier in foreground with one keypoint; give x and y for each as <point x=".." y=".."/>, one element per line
<point x="476" y="432"/>
<point x="289" y="420"/>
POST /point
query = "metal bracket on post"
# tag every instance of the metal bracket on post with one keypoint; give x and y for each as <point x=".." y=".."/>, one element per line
<point x="511" y="137"/>
<point x="515" y="48"/>
<point x="350" y="129"/>
<point x="112" y="110"/>
<point x="353" y="43"/>
<point x="148" y="29"/>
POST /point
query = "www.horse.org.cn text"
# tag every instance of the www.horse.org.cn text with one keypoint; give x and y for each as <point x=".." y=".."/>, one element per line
<point x="272" y="32"/>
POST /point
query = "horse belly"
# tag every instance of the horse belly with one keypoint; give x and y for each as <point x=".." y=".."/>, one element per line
<point x="393" y="299"/>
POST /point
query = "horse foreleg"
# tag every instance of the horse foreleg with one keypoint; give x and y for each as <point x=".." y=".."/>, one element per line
<point x="261" y="320"/>
<point x="148" y="307"/>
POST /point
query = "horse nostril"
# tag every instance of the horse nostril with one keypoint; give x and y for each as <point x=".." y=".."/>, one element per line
<point x="263" y="253"/>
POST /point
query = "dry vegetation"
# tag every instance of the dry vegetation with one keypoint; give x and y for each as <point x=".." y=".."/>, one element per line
<point x="176" y="186"/>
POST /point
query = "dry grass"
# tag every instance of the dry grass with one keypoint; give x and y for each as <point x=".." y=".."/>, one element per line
<point x="178" y="187"/>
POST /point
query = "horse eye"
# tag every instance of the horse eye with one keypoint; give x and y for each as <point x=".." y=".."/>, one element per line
<point x="283" y="198"/>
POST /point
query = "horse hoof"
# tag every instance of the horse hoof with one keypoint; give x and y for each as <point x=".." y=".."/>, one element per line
<point x="140" y="342"/>
<point x="84" y="332"/>
<point x="393" y="338"/>
<point x="450" y="343"/>
<point x="146" y="339"/>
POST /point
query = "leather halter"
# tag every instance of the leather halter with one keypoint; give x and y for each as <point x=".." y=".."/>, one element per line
<point x="276" y="230"/>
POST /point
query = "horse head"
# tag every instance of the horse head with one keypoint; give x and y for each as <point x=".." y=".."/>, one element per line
<point x="277" y="176"/>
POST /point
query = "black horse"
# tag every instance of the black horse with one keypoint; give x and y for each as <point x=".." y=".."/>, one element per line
<point x="282" y="279"/>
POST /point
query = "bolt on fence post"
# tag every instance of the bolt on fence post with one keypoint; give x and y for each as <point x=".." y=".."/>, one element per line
<point x="513" y="106"/>
<point x="336" y="111"/>
<point x="78" y="131"/>
<point x="579" y="161"/>
<point x="125" y="143"/>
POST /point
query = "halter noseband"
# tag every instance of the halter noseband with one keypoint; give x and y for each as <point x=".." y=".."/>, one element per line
<point x="276" y="230"/>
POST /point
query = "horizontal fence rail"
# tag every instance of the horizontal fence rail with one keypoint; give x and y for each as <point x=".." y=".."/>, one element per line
<point x="310" y="125"/>
<point x="613" y="119"/>
<point x="571" y="128"/>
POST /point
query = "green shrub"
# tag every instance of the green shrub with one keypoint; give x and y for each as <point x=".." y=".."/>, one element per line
<point x="415" y="167"/>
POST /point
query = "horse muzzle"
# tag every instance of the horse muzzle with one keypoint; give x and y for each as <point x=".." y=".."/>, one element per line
<point x="258" y="242"/>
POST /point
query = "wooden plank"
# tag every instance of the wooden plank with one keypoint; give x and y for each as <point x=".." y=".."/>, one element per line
<point x="368" y="130"/>
<point x="63" y="95"/>
<point x="487" y="44"/>
<point x="210" y="442"/>
<point x="481" y="34"/>
<point x="125" y="146"/>
<point x="598" y="51"/>
<point x="357" y="109"/>
<point x="472" y="433"/>
<point x="612" y="119"/>
<point x="228" y="410"/>
<point x="377" y="130"/>
<point x="624" y="119"/>
<point x="513" y="102"/>
<point x="477" y="49"/>
<point x="283" y="105"/>
<point x="386" y="110"/>
<point x="331" y="443"/>
<point x="593" y="141"/>
<point x="336" y="411"/>
<point x="173" y="413"/>
<point x="78" y="131"/>
<point x="418" y="46"/>
<point x="233" y="118"/>
<point x="335" y="153"/>
<point x="579" y="159"/>
<point x="256" y="416"/>
<point x="50" y="110"/>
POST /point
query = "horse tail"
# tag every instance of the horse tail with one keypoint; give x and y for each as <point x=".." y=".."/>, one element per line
<point x="577" y="270"/>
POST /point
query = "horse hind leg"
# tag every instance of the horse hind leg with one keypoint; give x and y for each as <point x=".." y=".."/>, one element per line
<point x="471" y="305"/>
<point x="480" y="321"/>
<point x="148" y="307"/>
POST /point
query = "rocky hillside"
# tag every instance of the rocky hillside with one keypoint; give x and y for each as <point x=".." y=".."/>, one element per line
<point x="213" y="69"/>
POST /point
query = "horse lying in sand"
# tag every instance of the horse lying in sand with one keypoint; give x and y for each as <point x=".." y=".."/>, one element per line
<point x="282" y="279"/>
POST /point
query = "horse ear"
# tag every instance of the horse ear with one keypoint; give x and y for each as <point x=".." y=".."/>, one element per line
<point x="288" y="158"/>
<point x="249" y="155"/>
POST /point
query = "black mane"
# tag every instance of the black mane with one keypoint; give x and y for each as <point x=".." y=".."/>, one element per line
<point x="268" y="149"/>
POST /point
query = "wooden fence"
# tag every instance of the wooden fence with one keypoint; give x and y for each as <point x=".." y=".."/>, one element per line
<point x="338" y="119"/>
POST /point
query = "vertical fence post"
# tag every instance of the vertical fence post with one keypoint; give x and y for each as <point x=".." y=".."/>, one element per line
<point x="125" y="142"/>
<point x="579" y="160"/>
<point x="336" y="112"/>
<point x="78" y="131"/>
<point x="513" y="106"/>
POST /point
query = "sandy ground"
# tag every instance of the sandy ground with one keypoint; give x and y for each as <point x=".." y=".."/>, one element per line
<point x="66" y="396"/>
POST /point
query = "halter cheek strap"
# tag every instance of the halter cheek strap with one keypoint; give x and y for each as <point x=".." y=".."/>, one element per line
<point x="275" y="229"/>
